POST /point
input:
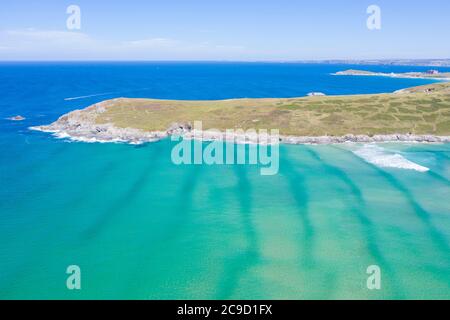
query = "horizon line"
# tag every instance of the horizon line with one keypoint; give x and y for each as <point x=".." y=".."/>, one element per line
<point x="232" y="60"/>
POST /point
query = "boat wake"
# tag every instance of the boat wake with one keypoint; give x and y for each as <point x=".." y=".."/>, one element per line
<point x="89" y="96"/>
<point x="383" y="158"/>
<point x="105" y="94"/>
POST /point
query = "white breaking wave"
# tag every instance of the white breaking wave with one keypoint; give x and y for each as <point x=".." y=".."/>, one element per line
<point x="383" y="158"/>
<point x="65" y="135"/>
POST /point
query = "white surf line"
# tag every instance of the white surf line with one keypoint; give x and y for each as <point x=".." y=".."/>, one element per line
<point x="383" y="158"/>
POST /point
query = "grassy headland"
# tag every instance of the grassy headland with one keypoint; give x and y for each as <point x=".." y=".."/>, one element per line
<point x="413" y="114"/>
<point x="418" y="110"/>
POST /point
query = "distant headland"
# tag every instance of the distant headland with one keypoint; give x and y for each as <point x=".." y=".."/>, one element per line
<point x="430" y="74"/>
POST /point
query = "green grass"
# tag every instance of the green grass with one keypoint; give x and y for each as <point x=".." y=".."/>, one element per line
<point x="419" y="110"/>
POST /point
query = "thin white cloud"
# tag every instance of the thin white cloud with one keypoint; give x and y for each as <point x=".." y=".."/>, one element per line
<point x="49" y="35"/>
<point x="30" y="44"/>
<point x="152" y="43"/>
<point x="59" y="45"/>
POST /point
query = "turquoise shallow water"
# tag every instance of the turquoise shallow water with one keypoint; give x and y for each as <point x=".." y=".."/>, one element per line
<point x="141" y="227"/>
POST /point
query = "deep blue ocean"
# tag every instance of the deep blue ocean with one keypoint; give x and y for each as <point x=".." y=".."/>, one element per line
<point x="39" y="90"/>
<point x="140" y="227"/>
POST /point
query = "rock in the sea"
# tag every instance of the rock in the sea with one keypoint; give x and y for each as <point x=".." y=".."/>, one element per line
<point x="16" y="118"/>
<point x="314" y="94"/>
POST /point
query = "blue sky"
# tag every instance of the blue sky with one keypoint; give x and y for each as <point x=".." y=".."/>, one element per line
<point x="224" y="30"/>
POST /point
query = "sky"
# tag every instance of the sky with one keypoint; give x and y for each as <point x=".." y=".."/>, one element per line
<point x="244" y="30"/>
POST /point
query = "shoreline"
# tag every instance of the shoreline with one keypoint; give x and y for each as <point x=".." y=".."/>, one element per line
<point x="138" y="137"/>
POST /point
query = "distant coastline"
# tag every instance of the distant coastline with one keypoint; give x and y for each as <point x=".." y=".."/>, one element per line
<point x="432" y="74"/>
<point x="388" y="62"/>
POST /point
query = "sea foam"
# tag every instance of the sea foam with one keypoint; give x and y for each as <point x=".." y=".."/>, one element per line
<point x="383" y="158"/>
